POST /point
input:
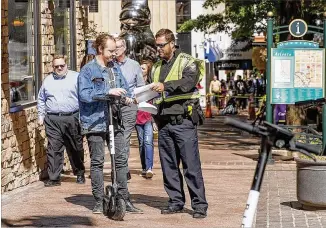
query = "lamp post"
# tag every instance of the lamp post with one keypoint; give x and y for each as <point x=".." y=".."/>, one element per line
<point x="269" y="111"/>
<point x="324" y="107"/>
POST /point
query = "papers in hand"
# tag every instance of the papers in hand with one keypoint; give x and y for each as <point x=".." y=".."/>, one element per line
<point x="146" y="107"/>
<point x="145" y="93"/>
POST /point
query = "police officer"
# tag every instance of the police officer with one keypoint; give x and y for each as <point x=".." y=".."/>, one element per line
<point x="175" y="76"/>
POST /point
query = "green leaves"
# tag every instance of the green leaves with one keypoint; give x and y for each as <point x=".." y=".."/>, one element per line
<point x="242" y="18"/>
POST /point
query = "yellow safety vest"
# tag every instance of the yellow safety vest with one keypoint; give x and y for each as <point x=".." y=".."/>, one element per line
<point x="183" y="60"/>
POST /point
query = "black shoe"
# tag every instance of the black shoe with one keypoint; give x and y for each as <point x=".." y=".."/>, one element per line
<point x="52" y="183"/>
<point x="199" y="213"/>
<point x="98" y="208"/>
<point x="171" y="210"/>
<point x="132" y="209"/>
<point x="80" y="179"/>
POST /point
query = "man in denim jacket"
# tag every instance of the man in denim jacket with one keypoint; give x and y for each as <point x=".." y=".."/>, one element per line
<point x="100" y="77"/>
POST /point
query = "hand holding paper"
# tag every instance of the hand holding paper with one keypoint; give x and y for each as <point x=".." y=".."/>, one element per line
<point x="145" y="93"/>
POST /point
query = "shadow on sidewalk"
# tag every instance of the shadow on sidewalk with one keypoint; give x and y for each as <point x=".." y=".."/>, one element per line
<point x="298" y="206"/>
<point x="86" y="200"/>
<point x="47" y="221"/>
<point x="276" y="157"/>
<point x="154" y="201"/>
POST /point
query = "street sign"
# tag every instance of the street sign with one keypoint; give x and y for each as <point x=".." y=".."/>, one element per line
<point x="298" y="44"/>
<point x="297" y="75"/>
<point x="298" y="28"/>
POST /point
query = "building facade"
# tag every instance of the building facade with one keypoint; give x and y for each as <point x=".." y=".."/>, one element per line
<point x="32" y="31"/>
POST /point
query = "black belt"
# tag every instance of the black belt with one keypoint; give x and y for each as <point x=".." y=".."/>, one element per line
<point x="62" y="113"/>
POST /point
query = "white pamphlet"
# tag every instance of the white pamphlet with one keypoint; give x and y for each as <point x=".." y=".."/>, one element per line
<point x="146" y="107"/>
<point x="145" y="93"/>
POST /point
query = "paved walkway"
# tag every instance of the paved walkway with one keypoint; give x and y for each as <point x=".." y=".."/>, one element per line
<point x="228" y="162"/>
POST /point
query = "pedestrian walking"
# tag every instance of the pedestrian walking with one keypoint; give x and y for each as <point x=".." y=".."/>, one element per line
<point x="132" y="72"/>
<point x="101" y="77"/>
<point x="175" y="76"/>
<point x="215" y="91"/>
<point x="144" y="127"/>
<point x="58" y="110"/>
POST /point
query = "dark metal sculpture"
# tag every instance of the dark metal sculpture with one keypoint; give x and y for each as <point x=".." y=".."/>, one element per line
<point x="135" y="18"/>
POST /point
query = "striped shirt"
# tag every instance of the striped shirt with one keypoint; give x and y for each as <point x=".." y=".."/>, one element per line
<point x="132" y="72"/>
<point x="58" y="95"/>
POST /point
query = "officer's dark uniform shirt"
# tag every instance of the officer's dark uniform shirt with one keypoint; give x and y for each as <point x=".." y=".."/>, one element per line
<point x="184" y="85"/>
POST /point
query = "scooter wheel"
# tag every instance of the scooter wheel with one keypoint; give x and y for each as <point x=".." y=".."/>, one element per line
<point x="120" y="210"/>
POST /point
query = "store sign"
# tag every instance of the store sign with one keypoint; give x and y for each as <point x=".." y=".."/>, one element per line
<point x="236" y="55"/>
<point x="236" y="52"/>
<point x="297" y="75"/>
<point x="235" y="65"/>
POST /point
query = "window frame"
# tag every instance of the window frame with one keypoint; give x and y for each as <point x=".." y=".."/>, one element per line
<point x="37" y="49"/>
<point x="73" y="43"/>
<point x="37" y="56"/>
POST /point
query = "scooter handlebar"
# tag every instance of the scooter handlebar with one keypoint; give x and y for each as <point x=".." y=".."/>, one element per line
<point x="277" y="131"/>
<point x="242" y="126"/>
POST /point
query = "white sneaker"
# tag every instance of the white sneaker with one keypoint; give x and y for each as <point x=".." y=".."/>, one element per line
<point x="143" y="173"/>
<point x="149" y="174"/>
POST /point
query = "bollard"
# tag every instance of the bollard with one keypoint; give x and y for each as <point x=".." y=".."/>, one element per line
<point x="208" y="113"/>
<point x="251" y="108"/>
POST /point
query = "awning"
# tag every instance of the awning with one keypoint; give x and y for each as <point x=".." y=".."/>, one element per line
<point x="213" y="54"/>
<point x="210" y="55"/>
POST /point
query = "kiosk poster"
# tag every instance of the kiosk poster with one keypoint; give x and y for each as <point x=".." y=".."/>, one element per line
<point x="297" y="75"/>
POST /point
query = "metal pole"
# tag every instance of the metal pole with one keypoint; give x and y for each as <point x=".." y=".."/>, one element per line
<point x="324" y="107"/>
<point x="254" y="193"/>
<point x="72" y="21"/>
<point x="37" y="47"/>
<point x="269" y="111"/>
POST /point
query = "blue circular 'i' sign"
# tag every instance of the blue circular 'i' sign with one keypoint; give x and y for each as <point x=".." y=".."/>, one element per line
<point x="298" y="28"/>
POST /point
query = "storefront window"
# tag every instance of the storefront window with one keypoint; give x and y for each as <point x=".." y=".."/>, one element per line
<point x="21" y="54"/>
<point x="62" y="28"/>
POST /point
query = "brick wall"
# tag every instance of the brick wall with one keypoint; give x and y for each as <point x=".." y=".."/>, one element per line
<point x="23" y="142"/>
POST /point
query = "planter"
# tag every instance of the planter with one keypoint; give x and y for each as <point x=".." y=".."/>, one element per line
<point x="311" y="182"/>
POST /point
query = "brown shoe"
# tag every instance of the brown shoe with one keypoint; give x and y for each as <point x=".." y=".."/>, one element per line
<point x="52" y="183"/>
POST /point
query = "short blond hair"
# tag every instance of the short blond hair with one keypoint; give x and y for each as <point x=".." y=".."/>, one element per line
<point x="57" y="56"/>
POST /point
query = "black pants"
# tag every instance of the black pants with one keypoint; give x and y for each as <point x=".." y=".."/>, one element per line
<point x="180" y="142"/>
<point x="64" y="132"/>
<point x="96" y="143"/>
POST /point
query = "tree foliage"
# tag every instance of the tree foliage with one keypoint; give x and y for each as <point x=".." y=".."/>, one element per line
<point x="242" y="18"/>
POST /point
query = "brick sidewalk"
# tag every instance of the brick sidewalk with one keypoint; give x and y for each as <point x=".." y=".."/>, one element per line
<point x="228" y="168"/>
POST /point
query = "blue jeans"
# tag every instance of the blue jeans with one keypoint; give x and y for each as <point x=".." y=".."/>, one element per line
<point x="146" y="145"/>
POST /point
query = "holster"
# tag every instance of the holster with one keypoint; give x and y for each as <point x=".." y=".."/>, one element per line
<point x="194" y="112"/>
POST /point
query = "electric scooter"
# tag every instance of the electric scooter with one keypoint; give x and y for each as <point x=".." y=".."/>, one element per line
<point x="271" y="136"/>
<point x="114" y="206"/>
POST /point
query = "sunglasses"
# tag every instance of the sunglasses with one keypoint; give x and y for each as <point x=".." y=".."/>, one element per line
<point x="57" y="66"/>
<point x="162" y="45"/>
